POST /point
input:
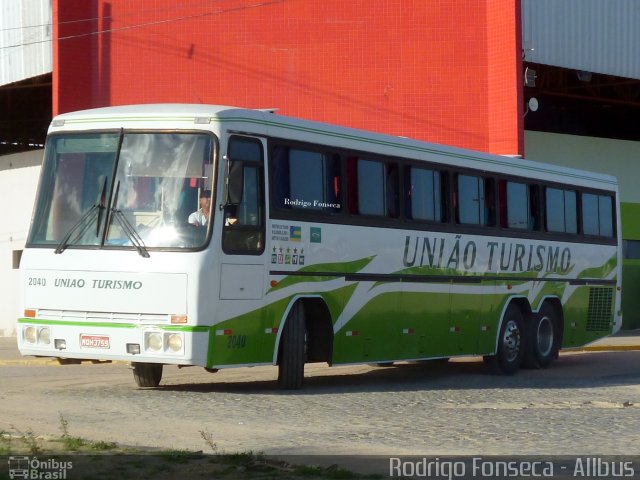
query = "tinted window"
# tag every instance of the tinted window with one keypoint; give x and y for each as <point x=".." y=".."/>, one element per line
<point x="424" y="196"/>
<point x="570" y="212"/>
<point x="605" y="205"/>
<point x="518" y="205"/>
<point x="590" y="214"/>
<point x="475" y="200"/>
<point x="597" y="215"/>
<point x="561" y="211"/>
<point x="371" y="188"/>
<point x="306" y="180"/>
<point x="555" y="210"/>
<point x="377" y="188"/>
<point x="245" y="150"/>
<point x="470" y="198"/>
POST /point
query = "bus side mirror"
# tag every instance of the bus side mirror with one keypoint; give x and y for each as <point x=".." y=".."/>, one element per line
<point x="235" y="182"/>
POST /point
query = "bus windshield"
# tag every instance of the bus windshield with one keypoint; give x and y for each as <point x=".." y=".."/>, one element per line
<point x="122" y="189"/>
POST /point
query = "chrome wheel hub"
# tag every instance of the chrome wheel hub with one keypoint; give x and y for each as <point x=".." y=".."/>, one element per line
<point x="511" y="340"/>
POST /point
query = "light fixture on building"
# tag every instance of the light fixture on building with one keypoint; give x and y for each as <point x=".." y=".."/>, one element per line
<point x="529" y="77"/>
<point x="532" y="105"/>
<point x="584" y="76"/>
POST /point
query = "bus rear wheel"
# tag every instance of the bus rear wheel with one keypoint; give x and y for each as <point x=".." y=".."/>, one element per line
<point x="293" y="350"/>
<point x="147" y="374"/>
<point x="544" y="338"/>
<point x="510" y="351"/>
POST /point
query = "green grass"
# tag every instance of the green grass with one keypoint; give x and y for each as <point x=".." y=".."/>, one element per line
<point x="102" y="460"/>
<point x="103" y="446"/>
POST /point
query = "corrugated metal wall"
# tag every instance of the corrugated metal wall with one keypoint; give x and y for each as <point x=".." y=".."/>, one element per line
<point x="601" y="36"/>
<point x="25" y="39"/>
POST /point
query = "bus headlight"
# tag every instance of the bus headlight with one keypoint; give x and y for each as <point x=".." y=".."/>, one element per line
<point x="174" y="342"/>
<point x="30" y="334"/>
<point x="44" y="336"/>
<point x="153" y="341"/>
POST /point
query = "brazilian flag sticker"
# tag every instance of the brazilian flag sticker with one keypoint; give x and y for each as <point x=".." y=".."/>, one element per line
<point x="295" y="233"/>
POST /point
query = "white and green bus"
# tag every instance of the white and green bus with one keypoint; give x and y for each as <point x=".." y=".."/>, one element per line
<point x="318" y="244"/>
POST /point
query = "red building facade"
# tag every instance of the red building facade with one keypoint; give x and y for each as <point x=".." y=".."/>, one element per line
<point x="446" y="71"/>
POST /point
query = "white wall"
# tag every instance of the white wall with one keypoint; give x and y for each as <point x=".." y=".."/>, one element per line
<point x="18" y="182"/>
<point x="25" y="39"/>
<point x="616" y="157"/>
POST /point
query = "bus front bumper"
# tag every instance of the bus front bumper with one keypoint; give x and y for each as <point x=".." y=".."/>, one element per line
<point x="177" y="345"/>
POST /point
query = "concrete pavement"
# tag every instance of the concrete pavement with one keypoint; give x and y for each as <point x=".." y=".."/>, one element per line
<point x="621" y="341"/>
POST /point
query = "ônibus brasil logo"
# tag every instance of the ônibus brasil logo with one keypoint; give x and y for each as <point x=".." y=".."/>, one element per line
<point x="32" y="468"/>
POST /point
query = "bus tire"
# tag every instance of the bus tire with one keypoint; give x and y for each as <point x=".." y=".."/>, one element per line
<point x="544" y="338"/>
<point x="511" y="342"/>
<point x="293" y="350"/>
<point x="147" y="374"/>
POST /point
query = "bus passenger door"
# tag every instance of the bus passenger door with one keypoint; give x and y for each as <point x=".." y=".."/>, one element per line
<point x="242" y="268"/>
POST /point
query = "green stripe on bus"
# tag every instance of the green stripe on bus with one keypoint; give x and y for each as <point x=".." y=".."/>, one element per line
<point x="176" y="328"/>
<point x="170" y="328"/>
<point x="40" y="321"/>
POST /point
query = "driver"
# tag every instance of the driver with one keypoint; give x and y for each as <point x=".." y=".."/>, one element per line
<point x="200" y="217"/>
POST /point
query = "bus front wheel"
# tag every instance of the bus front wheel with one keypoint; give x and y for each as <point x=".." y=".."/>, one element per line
<point x="510" y="351"/>
<point x="147" y="374"/>
<point x="293" y="350"/>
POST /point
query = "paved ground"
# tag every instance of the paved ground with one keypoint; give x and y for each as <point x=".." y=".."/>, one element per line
<point x="587" y="403"/>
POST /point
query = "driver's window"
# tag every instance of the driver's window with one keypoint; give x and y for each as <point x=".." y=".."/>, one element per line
<point x="244" y="223"/>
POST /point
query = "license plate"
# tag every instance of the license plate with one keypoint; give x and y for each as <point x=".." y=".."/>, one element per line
<point x="94" y="341"/>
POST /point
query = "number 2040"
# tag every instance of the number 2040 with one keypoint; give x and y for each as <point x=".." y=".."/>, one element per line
<point x="236" y="341"/>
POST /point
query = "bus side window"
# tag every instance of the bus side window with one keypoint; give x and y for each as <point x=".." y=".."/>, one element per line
<point x="280" y="176"/>
<point x="502" y="204"/>
<point x="518" y="205"/>
<point x="424" y="197"/>
<point x="377" y="191"/>
<point x="352" y="185"/>
<point x="471" y="201"/>
<point x="597" y="215"/>
<point x="371" y="187"/>
<point x="534" y="205"/>
<point x="306" y="180"/>
<point x="561" y="211"/>
<point x="391" y="190"/>
<point x="489" y="202"/>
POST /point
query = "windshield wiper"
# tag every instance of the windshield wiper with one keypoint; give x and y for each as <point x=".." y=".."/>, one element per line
<point x="129" y="230"/>
<point x="84" y="222"/>
<point x="101" y="206"/>
<point x="83" y="225"/>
